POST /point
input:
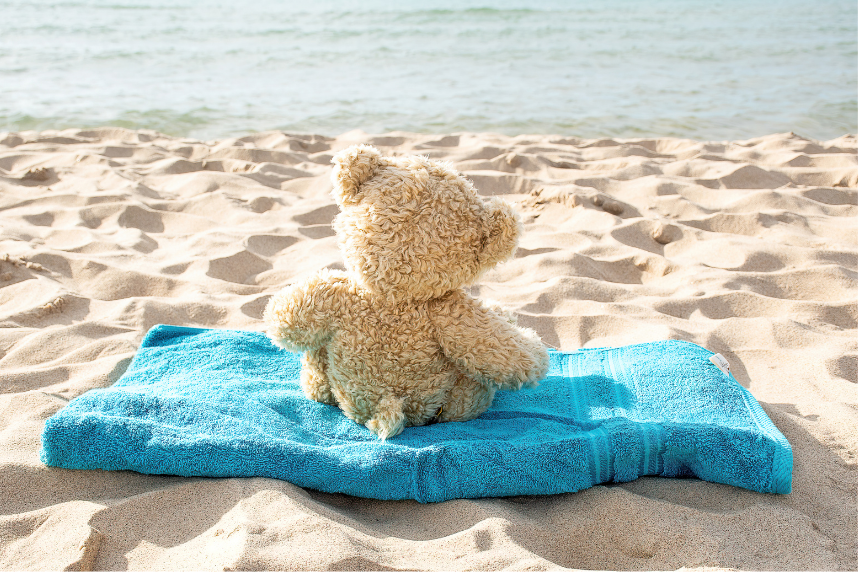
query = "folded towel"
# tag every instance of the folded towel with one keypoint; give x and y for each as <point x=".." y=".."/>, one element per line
<point x="226" y="403"/>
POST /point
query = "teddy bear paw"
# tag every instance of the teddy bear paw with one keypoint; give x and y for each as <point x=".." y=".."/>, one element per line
<point x="389" y="419"/>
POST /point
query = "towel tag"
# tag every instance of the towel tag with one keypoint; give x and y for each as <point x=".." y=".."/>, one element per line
<point x="721" y="363"/>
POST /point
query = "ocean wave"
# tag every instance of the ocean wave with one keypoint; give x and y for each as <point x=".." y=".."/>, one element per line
<point x="726" y="70"/>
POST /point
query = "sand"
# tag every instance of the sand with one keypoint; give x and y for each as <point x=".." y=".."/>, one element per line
<point x="749" y="248"/>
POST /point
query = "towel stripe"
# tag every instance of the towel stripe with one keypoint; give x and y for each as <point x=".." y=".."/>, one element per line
<point x="653" y="448"/>
<point x="597" y="439"/>
<point x="649" y="440"/>
<point x="578" y="404"/>
<point x="601" y="470"/>
<point x="782" y="461"/>
<point x="618" y="374"/>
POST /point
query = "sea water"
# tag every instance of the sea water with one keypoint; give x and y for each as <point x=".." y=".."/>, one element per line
<point x="707" y="69"/>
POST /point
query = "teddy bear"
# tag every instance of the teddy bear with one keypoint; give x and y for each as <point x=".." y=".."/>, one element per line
<point x="395" y="340"/>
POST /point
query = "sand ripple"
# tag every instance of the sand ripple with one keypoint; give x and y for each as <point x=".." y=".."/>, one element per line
<point x="749" y="248"/>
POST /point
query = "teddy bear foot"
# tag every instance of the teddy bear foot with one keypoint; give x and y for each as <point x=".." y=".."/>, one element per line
<point x="314" y="378"/>
<point x="466" y="400"/>
<point x="389" y="419"/>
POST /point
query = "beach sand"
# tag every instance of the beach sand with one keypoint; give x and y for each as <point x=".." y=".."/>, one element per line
<point x="748" y="248"/>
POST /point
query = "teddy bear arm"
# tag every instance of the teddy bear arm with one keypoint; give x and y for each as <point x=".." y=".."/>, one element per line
<point x="486" y="346"/>
<point x="304" y="317"/>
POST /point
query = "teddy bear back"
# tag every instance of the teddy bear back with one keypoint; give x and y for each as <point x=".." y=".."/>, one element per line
<point x="413" y="229"/>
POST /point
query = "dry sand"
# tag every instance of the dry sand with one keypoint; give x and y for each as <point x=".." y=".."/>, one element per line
<point x="749" y="248"/>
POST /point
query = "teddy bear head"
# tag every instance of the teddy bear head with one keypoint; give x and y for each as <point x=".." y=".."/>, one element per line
<point x="413" y="229"/>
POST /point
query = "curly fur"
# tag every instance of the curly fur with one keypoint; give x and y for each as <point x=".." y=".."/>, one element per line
<point x="395" y="339"/>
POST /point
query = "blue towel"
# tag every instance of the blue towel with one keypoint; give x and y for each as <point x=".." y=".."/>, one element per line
<point x="226" y="403"/>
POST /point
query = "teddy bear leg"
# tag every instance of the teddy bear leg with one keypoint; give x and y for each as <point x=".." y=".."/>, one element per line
<point x="388" y="419"/>
<point x="383" y="415"/>
<point x="314" y="376"/>
<point x="528" y="376"/>
<point x="466" y="400"/>
<point x="501" y="311"/>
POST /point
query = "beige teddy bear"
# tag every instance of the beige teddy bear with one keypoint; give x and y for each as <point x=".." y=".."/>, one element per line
<point x="395" y="341"/>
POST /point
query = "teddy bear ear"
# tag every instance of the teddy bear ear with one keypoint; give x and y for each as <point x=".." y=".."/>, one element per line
<point x="352" y="167"/>
<point x="501" y="238"/>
